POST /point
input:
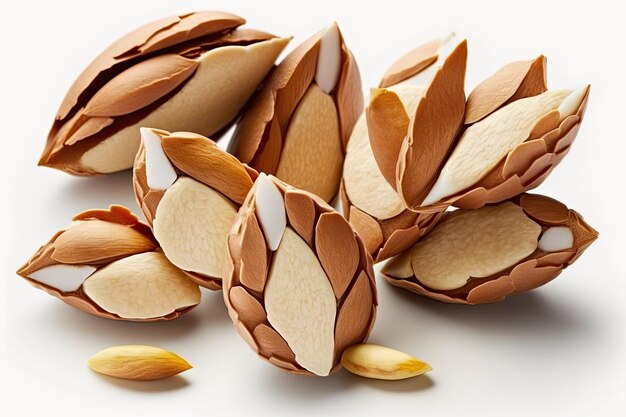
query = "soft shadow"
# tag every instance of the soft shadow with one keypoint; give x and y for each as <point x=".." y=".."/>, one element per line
<point x="75" y="323"/>
<point x="532" y="312"/>
<point x="173" y="383"/>
<point x="418" y="383"/>
<point x="99" y="191"/>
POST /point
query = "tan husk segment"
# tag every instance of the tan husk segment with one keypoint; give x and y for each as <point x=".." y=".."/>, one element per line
<point x="103" y="262"/>
<point x="496" y="251"/>
<point x="515" y="129"/>
<point x="171" y="73"/>
<point x="137" y="363"/>
<point x="298" y="124"/>
<point x="384" y="222"/>
<point x="300" y="306"/>
<point x="192" y="217"/>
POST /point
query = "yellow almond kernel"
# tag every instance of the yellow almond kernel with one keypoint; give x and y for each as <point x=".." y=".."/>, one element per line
<point x="138" y="363"/>
<point x="379" y="362"/>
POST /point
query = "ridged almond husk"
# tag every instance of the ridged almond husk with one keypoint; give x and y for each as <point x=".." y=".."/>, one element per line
<point x="369" y="200"/>
<point x="173" y="73"/>
<point x="202" y="197"/>
<point x="297" y="126"/>
<point x="107" y="263"/>
<point x="511" y="247"/>
<point x="302" y="304"/>
<point x="436" y="134"/>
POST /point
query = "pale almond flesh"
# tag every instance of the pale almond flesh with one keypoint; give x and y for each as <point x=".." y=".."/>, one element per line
<point x="191" y="225"/>
<point x="492" y="238"/>
<point x="485" y="143"/>
<point x="301" y="305"/>
<point x="209" y="91"/>
<point x="137" y="363"/>
<point x="312" y="155"/>
<point x="141" y="286"/>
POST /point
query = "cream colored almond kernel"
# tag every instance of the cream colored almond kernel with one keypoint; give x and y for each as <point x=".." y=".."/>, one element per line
<point x="365" y="185"/>
<point x="329" y="59"/>
<point x="138" y="363"/>
<point x="485" y="143"/>
<point x="160" y="173"/>
<point x="556" y="239"/>
<point x="142" y="286"/>
<point x="270" y="210"/>
<point x="223" y="82"/>
<point x="312" y="157"/>
<point x="65" y="278"/>
<point x="301" y="305"/>
<point x="191" y="224"/>
<point x="474" y="243"/>
<point x="379" y="362"/>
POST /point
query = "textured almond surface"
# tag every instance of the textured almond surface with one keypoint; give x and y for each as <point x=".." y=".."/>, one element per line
<point x="141" y="286"/>
<point x="485" y="143"/>
<point x="411" y="63"/>
<point x="137" y="363"/>
<point x="474" y="243"/>
<point x="361" y="175"/>
<point x="191" y="225"/>
<point x="222" y="83"/>
<point x="300" y="304"/>
<point x="312" y="155"/>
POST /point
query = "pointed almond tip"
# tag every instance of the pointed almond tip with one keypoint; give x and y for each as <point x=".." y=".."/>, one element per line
<point x="375" y="92"/>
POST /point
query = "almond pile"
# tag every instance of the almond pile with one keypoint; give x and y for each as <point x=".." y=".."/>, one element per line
<point x="428" y="177"/>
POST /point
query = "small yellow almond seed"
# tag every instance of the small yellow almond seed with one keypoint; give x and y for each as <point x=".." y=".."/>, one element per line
<point x="379" y="362"/>
<point x="138" y="363"/>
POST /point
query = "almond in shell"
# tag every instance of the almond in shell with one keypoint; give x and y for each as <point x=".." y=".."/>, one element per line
<point x="175" y="73"/>
<point x="484" y="255"/>
<point x="107" y="263"/>
<point x="299" y="283"/>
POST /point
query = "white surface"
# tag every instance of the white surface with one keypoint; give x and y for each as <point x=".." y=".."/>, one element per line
<point x="556" y="351"/>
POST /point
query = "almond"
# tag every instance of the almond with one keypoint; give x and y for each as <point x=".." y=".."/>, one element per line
<point x="191" y="211"/>
<point x="380" y="362"/>
<point x="483" y="255"/>
<point x="170" y="73"/>
<point x="137" y="363"/>
<point x="317" y="295"/>
<point x="108" y="263"/>
<point x="298" y="125"/>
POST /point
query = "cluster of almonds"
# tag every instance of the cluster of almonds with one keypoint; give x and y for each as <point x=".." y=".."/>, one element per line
<point x="255" y="222"/>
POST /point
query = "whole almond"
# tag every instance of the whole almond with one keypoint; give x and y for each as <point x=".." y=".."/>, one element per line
<point x="379" y="362"/>
<point x="138" y="363"/>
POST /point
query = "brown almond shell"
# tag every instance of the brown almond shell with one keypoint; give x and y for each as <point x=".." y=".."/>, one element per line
<point x="259" y="137"/>
<point x="332" y="239"/>
<point x="411" y="63"/>
<point x="117" y="230"/>
<point x="197" y="157"/>
<point x="388" y="237"/>
<point x="132" y="78"/>
<point x="537" y="269"/>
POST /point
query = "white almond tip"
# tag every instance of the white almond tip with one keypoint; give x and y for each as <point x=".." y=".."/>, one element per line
<point x="572" y="102"/>
<point x="160" y="173"/>
<point x="556" y="239"/>
<point x="65" y="278"/>
<point x="329" y="59"/>
<point x="441" y="189"/>
<point x="270" y="209"/>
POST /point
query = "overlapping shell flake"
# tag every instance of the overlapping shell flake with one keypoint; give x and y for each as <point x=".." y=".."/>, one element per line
<point x="175" y="73"/>
<point x="483" y="255"/>
<point x="189" y="191"/>
<point x="503" y="141"/>
<point x="108" y="263"/>
<point x="299" y="286"/>
<point x="298" y="125"/>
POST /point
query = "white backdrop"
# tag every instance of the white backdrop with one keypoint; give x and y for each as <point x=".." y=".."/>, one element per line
<point x="559" y="350"/>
